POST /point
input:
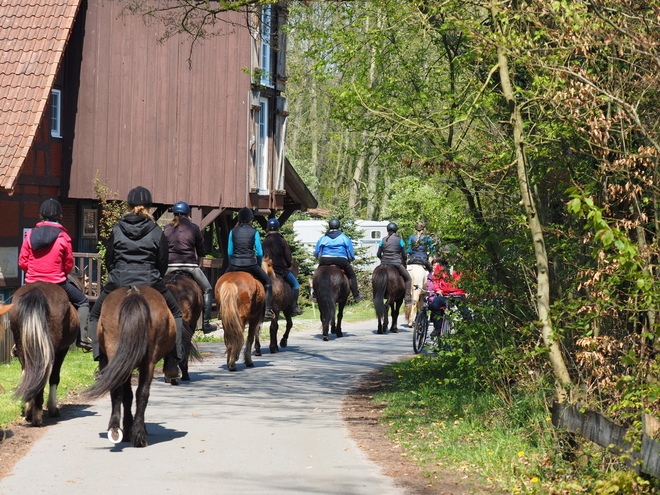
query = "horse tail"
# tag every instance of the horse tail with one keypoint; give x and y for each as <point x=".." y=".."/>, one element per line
<point x="379" y="285"/>
<point x="231" y="320"/>
<point x="325" y="296"/>
<point x="38" y="353"/>
<point x="134" y="317"/>
<point x="189" y="347"/>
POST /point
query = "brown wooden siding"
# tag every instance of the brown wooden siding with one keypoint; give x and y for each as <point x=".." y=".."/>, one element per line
<point x="146" y="118"/>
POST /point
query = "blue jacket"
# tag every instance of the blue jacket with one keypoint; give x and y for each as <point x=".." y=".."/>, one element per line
<point x="335" y="244"/>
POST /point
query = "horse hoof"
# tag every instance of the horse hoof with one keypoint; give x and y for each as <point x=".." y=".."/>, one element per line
<point x="185" y="378"/>
<point x="257" y="353"/>
<point x="273" y="350"/>
<point x="339" y="335"/>
<point x="380" y="332"/>
<point x="115" y="435"/>
<point x="283" y="343"/>
<point x="394" y="330"/>
<point x="325" y="338"/>
<point x="174" y="381"/>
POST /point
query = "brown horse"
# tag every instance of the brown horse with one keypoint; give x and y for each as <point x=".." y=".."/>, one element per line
<point x="189" y="296"/>
<point x="332" y="289"/>
<point x="44" y="324"/>
<point x="282" y="300"/>
<point x="388" y="292"/>
<point x="241" y="299"/>
<point x="136" y="330"/>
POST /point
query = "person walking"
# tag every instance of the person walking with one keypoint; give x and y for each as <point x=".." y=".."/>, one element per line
<point x="245" y="254"/>
<point x="335" y="248"/>
<point x="186" y="248"/>
<point x="279" y="251"/>
<point x="137" y="254"/>
<point x="47" y="256"/>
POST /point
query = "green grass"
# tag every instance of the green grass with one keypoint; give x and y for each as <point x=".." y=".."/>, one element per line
<point x="511" y="445"/>
<point x="77" y="374"/>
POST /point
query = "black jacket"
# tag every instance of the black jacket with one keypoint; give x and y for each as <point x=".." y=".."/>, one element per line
<point x="136" y="253"/>
<point x="278" y="250"/>
<point x="185" y="242"/>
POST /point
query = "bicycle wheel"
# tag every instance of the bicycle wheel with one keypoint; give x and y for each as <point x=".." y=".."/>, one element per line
<point x="420" y="331"/>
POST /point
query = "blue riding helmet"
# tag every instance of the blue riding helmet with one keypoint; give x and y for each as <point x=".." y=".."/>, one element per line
<point x="181" y="208"/>
<point x="273" y="224"/>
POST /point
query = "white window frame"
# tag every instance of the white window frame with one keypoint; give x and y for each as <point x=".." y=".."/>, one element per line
<point x="265" y="37"/>
<point x="56" y="113"/>
<point x="263" y="147"/>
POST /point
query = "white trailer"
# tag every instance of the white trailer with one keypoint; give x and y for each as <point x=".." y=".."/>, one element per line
<point x="308" y="232"/>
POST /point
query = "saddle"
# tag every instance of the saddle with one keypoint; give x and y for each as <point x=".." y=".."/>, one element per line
<point x="176" y="273"/>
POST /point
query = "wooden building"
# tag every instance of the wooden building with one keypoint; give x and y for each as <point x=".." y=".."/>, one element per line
<point x="89" y="93"/>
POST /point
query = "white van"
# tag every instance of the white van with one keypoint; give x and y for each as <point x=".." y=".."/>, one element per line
<point x="308" y="232"/>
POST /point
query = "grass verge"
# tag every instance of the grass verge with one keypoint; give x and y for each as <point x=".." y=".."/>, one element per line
<point x="512" y="444"/>
<point x="77" y="374"/>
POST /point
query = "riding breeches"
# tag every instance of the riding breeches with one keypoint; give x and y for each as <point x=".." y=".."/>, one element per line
<point x="76" y="297"/>
<point x="292" y="280"/>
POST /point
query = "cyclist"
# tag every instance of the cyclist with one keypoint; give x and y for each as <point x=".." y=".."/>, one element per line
<point x="419" y="247"/>
<point x="186" y="248"/>
<point x="278" y="250"/>
<point x="442" y="281"/>
<point x="392" y="251"/>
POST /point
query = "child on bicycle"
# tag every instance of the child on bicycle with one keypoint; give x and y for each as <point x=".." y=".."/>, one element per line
<point x="442" y="282"/>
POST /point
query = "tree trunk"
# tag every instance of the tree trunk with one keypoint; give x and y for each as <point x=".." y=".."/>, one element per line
<point x="543" y="280"/>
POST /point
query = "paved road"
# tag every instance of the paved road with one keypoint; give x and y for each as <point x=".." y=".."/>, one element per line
<point x="272" y="429"/>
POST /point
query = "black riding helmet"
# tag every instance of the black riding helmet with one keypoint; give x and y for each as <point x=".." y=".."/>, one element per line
<point x="333" y="224"/>
<point x="244" y="215"/>
<point x="50" y="209"/>
<point x="139" y="196"/>
<point x="392" y="227"/>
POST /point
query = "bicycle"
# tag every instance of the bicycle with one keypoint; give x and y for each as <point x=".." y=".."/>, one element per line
<point x="421" y="322"/>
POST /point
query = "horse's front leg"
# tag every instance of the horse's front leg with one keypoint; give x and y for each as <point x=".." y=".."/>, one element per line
<point x="257" y="345"/>
<point x="274" y="326"/>
<point x="396" y="308"/>
<point x="54" y="381"/>
<point x="285" y="338"/>
<point x="340" y="315"/>
<point x="115" y="433"/>
<point x="139" y="430"/>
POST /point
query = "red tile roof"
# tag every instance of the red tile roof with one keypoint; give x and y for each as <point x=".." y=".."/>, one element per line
<point x="33" y="35"/>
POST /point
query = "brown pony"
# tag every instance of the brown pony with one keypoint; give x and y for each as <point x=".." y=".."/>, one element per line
<point x="332" y="289"/>
<point x="241" y="299"/>
<point x="136" y="330"/>
<point x="44" y="324"/>
<point x="189" y="296"/>
<point x="282" y="300"/>
<point x="388" y="292"/>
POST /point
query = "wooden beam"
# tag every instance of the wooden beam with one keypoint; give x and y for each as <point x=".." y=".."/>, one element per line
<point x="208" y="218"/>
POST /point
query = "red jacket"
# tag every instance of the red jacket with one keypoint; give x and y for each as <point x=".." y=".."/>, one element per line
<point x="46" y="254"/>
<point x="443" y="282"/>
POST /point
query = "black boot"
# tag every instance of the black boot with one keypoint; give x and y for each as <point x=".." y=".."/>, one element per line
<point x="354" y="290"/>
<point x="295" y="311"/>
<point x="84" y="342"/>
<point x="170" y="368"/>
<point x="268" y="313"/>
<point x="92" y="327"/>
<point x="208" y="304"/>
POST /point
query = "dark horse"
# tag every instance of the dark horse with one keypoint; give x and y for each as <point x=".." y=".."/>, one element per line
<point x="241" y="299"/>
<point x="388" y="292"/>
<point x="282" y="299"/>
<point x="44" y="324"/>
<point x="189" y="296"/>
<point x="331" y="288"/>
<point x="136" y="330"/>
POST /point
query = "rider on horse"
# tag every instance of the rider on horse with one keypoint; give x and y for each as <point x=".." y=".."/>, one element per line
<point x="419" y="247"/>
<point x="392" y="251"/>
<point x="186" y="247"/>
<point x="136" y="254"/>
<point x="246" y="254"/>
<point x="278" y="250"/>
<point x="335" y="248"/>
<point x="47" y="256"/>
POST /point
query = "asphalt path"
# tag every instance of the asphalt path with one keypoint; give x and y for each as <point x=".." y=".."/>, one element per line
<point x="272" y="429"/>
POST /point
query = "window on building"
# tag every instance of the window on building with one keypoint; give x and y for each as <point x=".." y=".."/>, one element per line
<point x="266" y="49"/>
<point x="56" y="113"/>
<point x="375" y="234"/>
<point x="262" y="146"/>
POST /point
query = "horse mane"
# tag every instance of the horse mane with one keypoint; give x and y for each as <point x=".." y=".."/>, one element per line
<point x="267" y="266"/>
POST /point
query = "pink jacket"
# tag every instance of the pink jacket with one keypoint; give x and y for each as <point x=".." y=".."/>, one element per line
<point x="443" y="282"/>
<point x="46" y="254"/>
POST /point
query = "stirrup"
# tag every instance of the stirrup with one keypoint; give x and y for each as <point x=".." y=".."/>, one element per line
<point x="85" y="345"/>
<point x="269" y="315"/>
<point x="208" y="328"/>
<point x="358" y="298"/>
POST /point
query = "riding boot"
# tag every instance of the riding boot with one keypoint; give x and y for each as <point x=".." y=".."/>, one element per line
<point x="295" y="311"/>
<point x="92" y="327"/>
<point x="170" y="368"/>
<point x="84" y="342"/>
<point x="354" y="290"/>
<point x="208" y="304"/>
<point x="268" y="313"/>
<point x="408" y="296"/>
